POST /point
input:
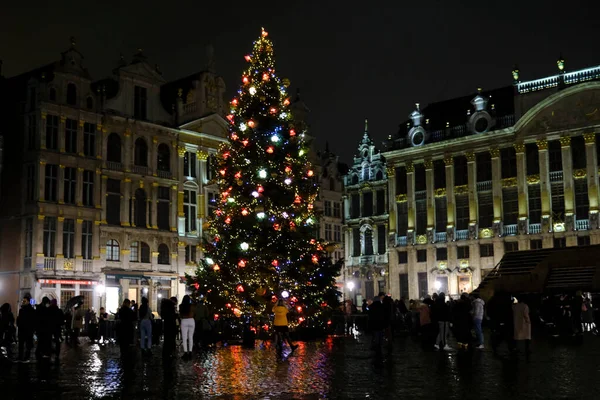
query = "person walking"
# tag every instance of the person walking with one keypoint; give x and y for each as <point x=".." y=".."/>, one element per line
<point x="441" y="314"/>
<point x="145" y="327"/>
<point x="280" y="323"/>
<point x="522" y="324"/>
<point x="26" y="325"/>
<point x="186" y="313"/>
<point x="478" y="305"/>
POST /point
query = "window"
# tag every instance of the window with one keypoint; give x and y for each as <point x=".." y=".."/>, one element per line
<point x="422" y="255"/>
<point x="484" y="166"/>
<point x="367" y="204"/>
<point x="144" y="252"/>
<point x="140" y="208"/>
<point x="211" y="166"/>
<point x="421" y="208"/>
<point x="134" y="252"/>
<point x="89" y="140"/>
<point x="337" y="233"/>
<point x="560" y="243"/>
<point x="189" y="209"/>
<point x="31" y="132"/>
<point x="140" y="98"/>
<point x="462" y="212"/>
<point x="50" y="182"/>
<point x="402" y="257"/>
<point x="368" y="242"/>
<point x="355" y="205"/>
<point x="140" y="155"/>
<point x="163" y="254"/>
<point x="508" y="162"/>
<point x="578" y="152"/>
<point x="29" y="239"/>
<point x="532" y="158"/>
<point x="71" y="136"/>
<point x="422" y="284"/>
<point x="328" y="232"/>
<point x="86" y="240"/>
<point x="439" y="174"/>
<point x="163" y="208"/>
<point x="52" y="94"/>
<point x="583" y="240"/>
<point x="510" y="206"/>
<point x="69" y="185"/>
<point x="337" y="209"/>
<point x="355" y="242"/>
<point x="558" y="200"/>
<point x="88" y="187"/>
<point x="112" y="250"/>
<point x="89" y="103"/>
<point x="190" y="254"/>
<point x="582" y="201"/>
<point x="30" y="184"/>
<point x="461" y="174"/>
<point x="189" y="164"/>
<point x="462" y="252"/>
<point x="381" y="239"/>
<point x="555" y="156"/>
<point x="163" y="158"/>
<point x="486" y="250"/>
<point x="401" y="180"/>
<point x="113" y="202"/>
<point x="71" y="94"/>
<point x="113" y="148"/>
<point x="327" y="208"/>
<point x="441" y="254"/>
<point x="49" y="237"/>
<point x="380" y="202"/>
<point x="535" y="204"/>
<point x="404" y="286"/>
<point x="441" y="214"/>
<point x="535" y="244"/>
<point x="486" y="209"/>
<point x="511" y="246"/>
<point x="420" y="180"/>
<point x="68" y="249"/>
<point x="52" y="132"/>
<point x="402" y="216"/>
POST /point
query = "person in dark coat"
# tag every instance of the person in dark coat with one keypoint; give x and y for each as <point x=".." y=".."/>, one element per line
<point x="377" y="323"/>
<point x="26" y="325"/>
<point x="57" y="318"/>
<point x="440" y="314"/>
<point x="461" y="319"/>
<point x="7" y="328"/>
<point x="169" y="318"/>
<point x="501" y="319"/>
<point x="126" y="325"/>
<point x="43" y="329"/>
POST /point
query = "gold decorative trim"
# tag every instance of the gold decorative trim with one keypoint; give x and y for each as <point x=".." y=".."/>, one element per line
<point x="579" y="173"/>
<point x="154" y="139"/>
<point x="125" y="251"/>
<point x="448" y="161"/>
<point x="181" y="244"/>
<point x="486" y="233"/>
<point x="401" y="198"/>
<point x="155" y="254"/>
<point x="509" y="182"/>
<point x="97" y="223"/>
<point x="391" y="171"/>
<point x="533" y="179"/>
<point x="439" y="192"/>
<point x="127" y="180"/>
<point x="202" y="155"/>
<point x="41" y="217"/>
<point x="409" y="166"/>
<point x="127" y="132"/>
<point x="428" y="164"/>
<point x="461" y="189"/>
<point x="495" y="152"/>
<point x="463" y="263"/>
<point x="565" y="141"/>
<point x="422" y="239"/>
<point x="42" y="162"/>
<point x="181" y="151"/>
<point x="589" y="138"/>
<point x="79" y="220"/>
<point x="99" y="127"/>
<point x="519" y="147"/>
<point x="542" y="144"/>
<point x="470" y="156"/>
<point x="60" y="219"/>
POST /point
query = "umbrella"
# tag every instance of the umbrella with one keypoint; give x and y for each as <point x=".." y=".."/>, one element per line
<point x="73" y="302"/>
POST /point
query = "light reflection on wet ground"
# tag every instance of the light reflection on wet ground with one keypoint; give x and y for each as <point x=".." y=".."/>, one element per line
<point x="335" y="368"/>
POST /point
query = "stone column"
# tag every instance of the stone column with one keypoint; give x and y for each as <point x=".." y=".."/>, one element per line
<point x="98" y="189"/>
<point x="497" y="190"/>
<point x="412" y="270"/>
<point x="181" y="153"/>
<point x="428" y="164"/>
<point x="60" y="185"/>
<point x="410" y="197"/>
<point x="592" y="176"/>
<point x="149" y="210"/>
<point x="450" y="202"/>
<point x="132" y="211"/>
<point x="346" y="201"/>
<point x="522" y="190"/>
<point x="201" y="211"/>
<point x="79" y="186"/>
<point x="154" y="222"/>
<point x="153" y="164"/>
<point x="545" y="186"/>
<point x="61" y="134"/>
<point x="567" y="164"/>
<point x="173" y="209"/>
<point x="103" y="195"/>
<point x="41" y="180"/>
<point x="125" y="202"/>
<point x="42" y="131"/>
<point x="472" y="187"/>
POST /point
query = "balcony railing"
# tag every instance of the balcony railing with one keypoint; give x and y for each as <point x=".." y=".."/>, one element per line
<point x="88" y="266"/>
<point x="510" y="230"/>
<point x="401" y="240"/>
<point x="189" y="108"/>
<point x="114" y="166"/>
<point x="462" y="234"/>
<point x="582" y="224"/>
<point x="484" y="186"/>
<point x="556" y="176"/>
<point x="138" y="169"/>
<point x="440" y="236"/>
<point x="535" y="228"/>
<point x="49" y="263"/>
<point x="164" y="174"/>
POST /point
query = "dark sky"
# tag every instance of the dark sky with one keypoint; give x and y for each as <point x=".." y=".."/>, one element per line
<point x="351" y="60"/>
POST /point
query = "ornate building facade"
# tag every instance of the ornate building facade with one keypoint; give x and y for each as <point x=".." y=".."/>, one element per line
<point x="110" y="184"/>
<point x="366" y="216"/>
<point x="503" y="170"/>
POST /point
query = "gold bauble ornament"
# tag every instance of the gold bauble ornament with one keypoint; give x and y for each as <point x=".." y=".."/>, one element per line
<point x="261" y="291"/>
<point x="226" y="292"/>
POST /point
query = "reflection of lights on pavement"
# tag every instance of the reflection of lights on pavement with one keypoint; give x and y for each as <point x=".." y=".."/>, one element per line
<point x="350" y="285"/>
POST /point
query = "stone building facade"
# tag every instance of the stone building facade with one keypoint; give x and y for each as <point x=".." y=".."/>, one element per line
<point x="111" y="179"/>
<point x="503" y="170"/>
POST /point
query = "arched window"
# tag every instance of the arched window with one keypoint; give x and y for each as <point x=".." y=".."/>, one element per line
<point x="140" y="208"/>
<point x="163" y="158"/>
<point x="354" y="179"/>
<point x="89" y="103"/>
<point x="379" y="175"/>
<point x="141" y="153"/>
<point x="52" y="94"/>
<point x="144" y="252"/>
<point x="71" y="94"/>
<point x="113" y="148"/>
<point x="113" y="250"/>
<point x="163" y="254"/>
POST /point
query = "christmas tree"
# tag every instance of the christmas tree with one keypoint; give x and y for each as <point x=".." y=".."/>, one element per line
<point x="261" y="242"/>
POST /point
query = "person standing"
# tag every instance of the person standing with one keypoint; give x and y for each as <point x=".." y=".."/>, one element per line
<point x="377" y="324"/>
<point x="203" y="325"/>
<point x="169" y="317"/>
<point x="145" y="326"/>
<point x="102" y="318"/>
<point x="425" y="325"/>
<point x="461" y="315"/>
<point x="7" y="327"/>
<point x="57" y="318"/>
<point x="478" y="305"/>
<point x="522" y="324"/>
<point x="26" y="325"/>
<point x="78" y="322"/>
<point x="441" y="314"/>
<point x="280" y="323"/>
<point x="186" y="313"/>
<point x="125" y="330"/>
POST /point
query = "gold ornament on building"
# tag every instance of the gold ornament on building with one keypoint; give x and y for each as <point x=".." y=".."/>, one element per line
<point x="589" y="138"/>
<point x="542" y="144"/>
<point x="428" y="164"/>
<point x="565" y="141"/>
<point x="181" y="151"/>
<point x="391" y="171"/>
<point x="181" y="244"/>
<point x="461" y="189"/>
<point x="470" y="156"/>
<point x="439" y="192"/>
<point x="509" y="182"/>
<point x="495" y="152"/>
<point x="519" y="147"/>
<point x="401" y="198"/>
<point x="422" y="239"/>
<point x="202" y="155"/>
<point x="486" y="233"/>
<point x="449" y="161"/>
<point x="533" y="179"/>
<point x="68" y="265"/>
<point x="579" y="173"/>
<point x="409" y="166"/>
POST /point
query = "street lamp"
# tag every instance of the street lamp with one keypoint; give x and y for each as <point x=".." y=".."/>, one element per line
<point x="350" y="285"/>
<point x="437" y="285"/>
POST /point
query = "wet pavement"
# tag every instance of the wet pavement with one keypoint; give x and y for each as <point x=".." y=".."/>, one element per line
<point x="336" y="368"/>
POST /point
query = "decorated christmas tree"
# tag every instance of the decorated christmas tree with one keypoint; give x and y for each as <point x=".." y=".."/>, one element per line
<point x="261" y="242"/>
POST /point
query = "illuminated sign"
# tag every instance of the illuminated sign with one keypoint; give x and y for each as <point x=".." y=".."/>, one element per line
<point x="67" y="282"/>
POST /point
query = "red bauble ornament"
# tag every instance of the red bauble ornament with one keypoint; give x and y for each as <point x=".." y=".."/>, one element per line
<point x="270" y="149"/>
<point x="246" y="80"/>
<point x="275" y="263"/>
<point x="238" y="175"/>
<point x="242" y="263"/>
<point x="240" y="288"/>
<point x="292" y="132"/>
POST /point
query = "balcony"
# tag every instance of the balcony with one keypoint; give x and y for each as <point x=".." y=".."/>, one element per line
<point x="535" y="228"/>
<point x="582" y="224"/>
<point x="484" y="186"/>
<point x="88" y="266"/>
<point x="49" y="264"/>
<point x="114" y="166"/>
<point x="138" y="169"/>
<point x="510" y="230"/>
<point x="164" y="174"/>
<point x="400" y="240"/>
<point x="556" y="176"/>
<point x="462" y="234"/>
<point x="440" y="237"/>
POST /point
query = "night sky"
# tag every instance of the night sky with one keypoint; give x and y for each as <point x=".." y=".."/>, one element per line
<point x="351" y="60"/>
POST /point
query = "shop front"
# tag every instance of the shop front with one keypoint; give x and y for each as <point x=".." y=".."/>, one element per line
<point x="62" y="290"/>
